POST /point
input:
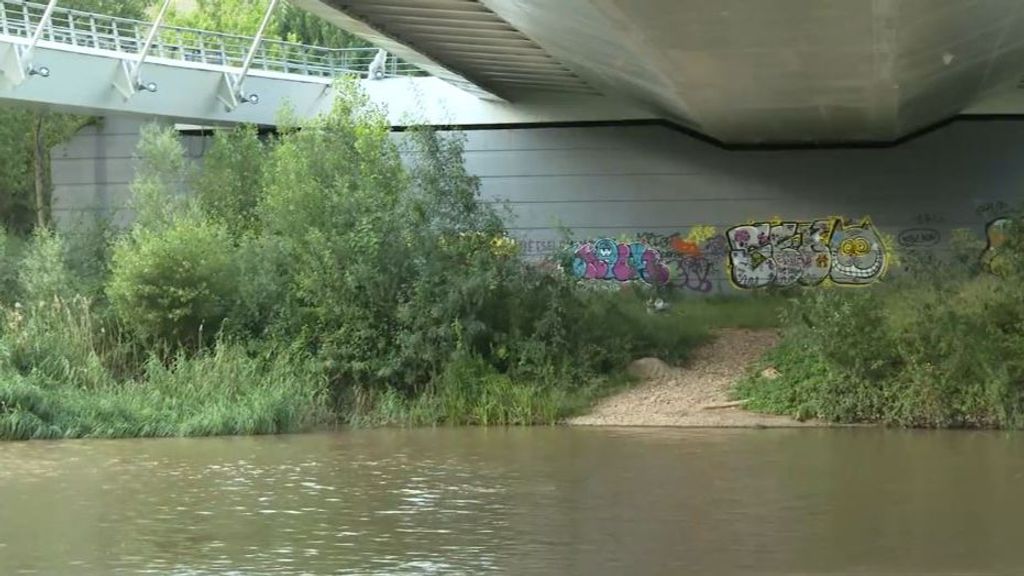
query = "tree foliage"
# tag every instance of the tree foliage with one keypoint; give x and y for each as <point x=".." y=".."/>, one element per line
<point x="378" y="258"/>
<point x="243" y="17"/>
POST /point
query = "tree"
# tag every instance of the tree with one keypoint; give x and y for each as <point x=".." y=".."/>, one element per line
<point x="134" y="9"/>
<point x="244" y="16"/>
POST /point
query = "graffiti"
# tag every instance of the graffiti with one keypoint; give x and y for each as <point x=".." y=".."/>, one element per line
<point x="691" y="260"/>
<point x="991" y="207"/>
<point x="606" y="259"/>
<point x="996" y="233"/>
<point x="671" y="261"/>
<point x="925" y="218"/>
<point x="805" y="253"/>
<point x="533" y="247"/>
<point x="918" y="237"/>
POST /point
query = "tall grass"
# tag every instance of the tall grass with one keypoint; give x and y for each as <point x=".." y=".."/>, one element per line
<point x="471" y="393"/>
<point x="224" y="392"/>
<point x="69" y="371"/>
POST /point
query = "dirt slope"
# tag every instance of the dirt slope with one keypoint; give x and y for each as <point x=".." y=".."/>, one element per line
<point x="670" y="396"/>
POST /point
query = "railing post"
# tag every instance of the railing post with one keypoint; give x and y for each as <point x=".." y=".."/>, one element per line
<point x="17" y="63"/>
<point x="149" y="42"/>
<point x="256" y="41"/>
<point x="234" y="84"/>
<point x="95" y="33"/>
<point x="43" y="22"/>
<point x="130" y="81"/>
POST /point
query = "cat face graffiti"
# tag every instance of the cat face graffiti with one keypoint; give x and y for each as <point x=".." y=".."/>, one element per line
<point x="607" y="250"/>
<point x="858" y="255"/>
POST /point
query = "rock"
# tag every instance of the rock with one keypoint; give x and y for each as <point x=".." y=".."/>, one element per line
<point x="770" y="373"/>
<point x="649" y="369"/>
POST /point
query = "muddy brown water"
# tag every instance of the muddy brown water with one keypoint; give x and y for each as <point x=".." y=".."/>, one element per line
<point x="519" y="501"/>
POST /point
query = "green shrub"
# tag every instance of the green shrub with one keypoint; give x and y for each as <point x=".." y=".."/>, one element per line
<point x="160" y="187"/>
<point x="229" y="185"/>
<point x="11" y="252"/>
<point x="175" y="284"/>
<point x="920" y="351"/>
<point x="43" y="274"/>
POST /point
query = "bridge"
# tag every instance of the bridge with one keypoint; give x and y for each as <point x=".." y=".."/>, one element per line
<point x="775" y="72"/>
<point x="102" y="65"/>
<point x="739" y="72"/>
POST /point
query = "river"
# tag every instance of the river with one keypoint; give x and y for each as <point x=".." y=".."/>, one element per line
<point x="518" y="501"/>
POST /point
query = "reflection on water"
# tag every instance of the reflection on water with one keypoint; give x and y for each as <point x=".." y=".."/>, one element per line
<point x="519" y="501"/>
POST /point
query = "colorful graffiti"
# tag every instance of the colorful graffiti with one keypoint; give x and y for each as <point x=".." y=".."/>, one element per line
<point x="607" y="259"/>
<point x="692" y="260"/>
<point x="805" y="253"/>
<point x="672" y="261"/>
<point x="993" y="258"/>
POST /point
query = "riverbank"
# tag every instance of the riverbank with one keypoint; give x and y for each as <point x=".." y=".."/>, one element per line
<point x="696" y="395"/>
<point x="932" y="349"/>
<point x="248" y="298"/>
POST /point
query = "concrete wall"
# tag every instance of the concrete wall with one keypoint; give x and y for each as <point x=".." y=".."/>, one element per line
<point x="92" y="173"/>
<point x="621" y="182"/>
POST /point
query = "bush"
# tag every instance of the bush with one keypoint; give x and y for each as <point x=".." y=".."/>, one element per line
<point x="43" y="274"/>
<point x="11" y="252"/>
<point x="393" y="269"/>
<point x="175" y="285"/>
<point x="228" y="187"/>
<point x="918" y="352"/>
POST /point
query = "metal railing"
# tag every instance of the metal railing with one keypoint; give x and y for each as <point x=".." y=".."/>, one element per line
<point x="126" y="36"/>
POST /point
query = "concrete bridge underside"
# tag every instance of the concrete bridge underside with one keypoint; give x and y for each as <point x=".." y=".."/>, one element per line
<point x="742" y="72"/>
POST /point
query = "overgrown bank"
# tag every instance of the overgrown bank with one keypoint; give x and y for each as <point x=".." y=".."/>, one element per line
<point x="307" y="280"/>
<point x="940" y="346"/>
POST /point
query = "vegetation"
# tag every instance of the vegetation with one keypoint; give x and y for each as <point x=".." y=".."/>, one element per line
<point x="940" y="346"/>
<point x="243" y="17"/>
<point x="311" y="279"/>
<point x="27" y="134"/>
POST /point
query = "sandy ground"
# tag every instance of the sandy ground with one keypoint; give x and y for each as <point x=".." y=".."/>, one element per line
<point x="670" y="396"/>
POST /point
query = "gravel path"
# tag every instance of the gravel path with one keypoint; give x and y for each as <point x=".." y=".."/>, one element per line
<point x="670" y="396"/>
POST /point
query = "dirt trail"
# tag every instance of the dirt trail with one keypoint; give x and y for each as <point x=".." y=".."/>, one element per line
<point x="670" y="396"/>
